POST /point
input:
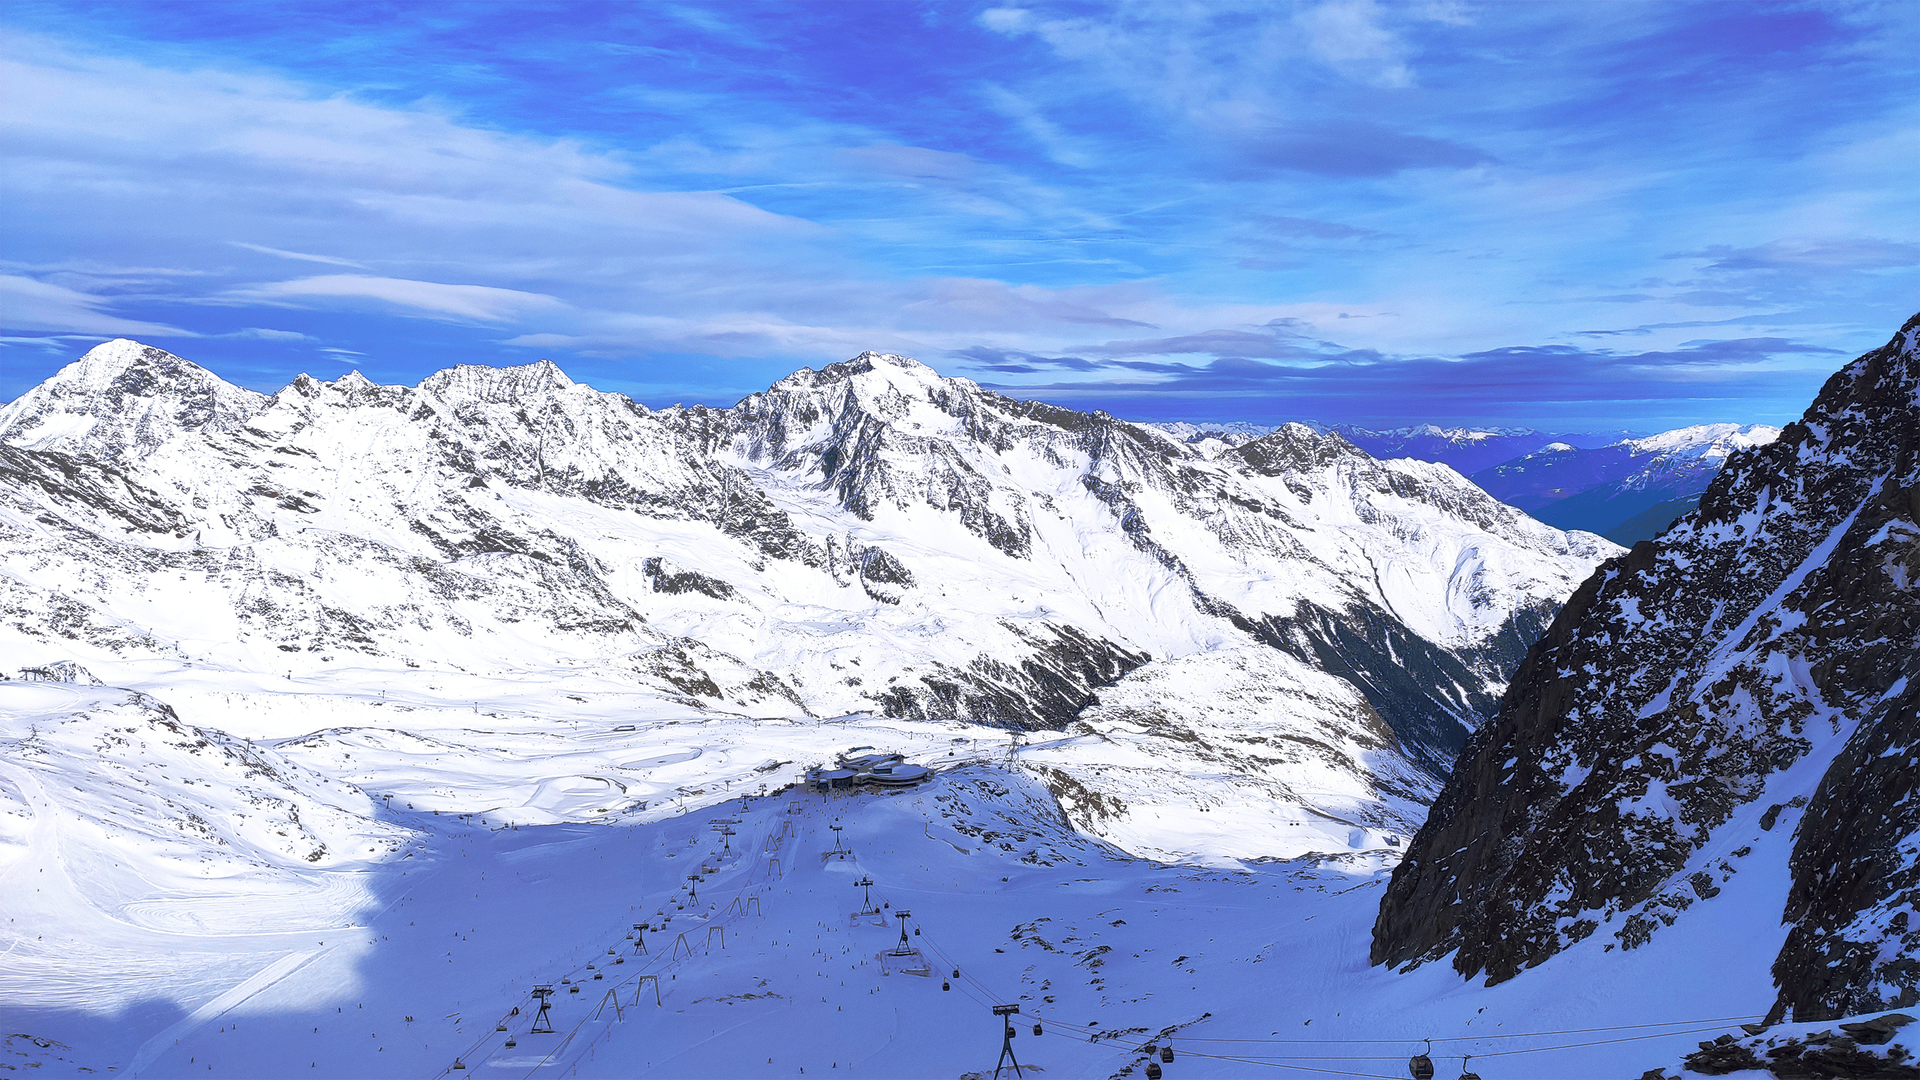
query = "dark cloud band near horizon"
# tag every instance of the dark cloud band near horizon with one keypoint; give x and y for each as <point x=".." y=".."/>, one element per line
<point x="1531" y="386"/>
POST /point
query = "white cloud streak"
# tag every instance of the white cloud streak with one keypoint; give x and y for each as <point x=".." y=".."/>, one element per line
<point x="28" y="304"/>
<point x="482" y="303"/>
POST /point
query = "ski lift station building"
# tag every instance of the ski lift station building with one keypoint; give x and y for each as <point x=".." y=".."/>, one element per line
<point x="857" y="770"/>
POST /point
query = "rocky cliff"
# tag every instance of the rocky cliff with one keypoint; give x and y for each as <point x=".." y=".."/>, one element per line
<point x="1748" y="673"/>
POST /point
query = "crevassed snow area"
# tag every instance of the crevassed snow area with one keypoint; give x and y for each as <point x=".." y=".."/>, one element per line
<point x="165" y="915"/>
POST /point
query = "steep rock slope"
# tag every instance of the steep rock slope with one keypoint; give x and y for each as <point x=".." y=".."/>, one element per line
<point x="870" y="537"/>
<point x="1234" y="755"/>
<point x="1748" y="673"/>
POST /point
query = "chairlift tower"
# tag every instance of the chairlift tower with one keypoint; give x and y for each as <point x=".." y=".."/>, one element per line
<point x="866" y="907"/>
<point x="905" y="948"/>
<point x="542" y="1022"/>
<point x="726" y="839"/>
<point x="693" y="888"/>
<point x="1006" y="1040"/>
<point x="639" y="938"/>
<point x="839" y="846"/>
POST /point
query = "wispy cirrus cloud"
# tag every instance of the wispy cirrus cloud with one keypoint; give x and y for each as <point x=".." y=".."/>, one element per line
<point x="1844" y="254"/>
<point x="1041" y="193"/>
<point x="1552" y="384"/>
<point x="30" y="304"/>
<point x="328" y="260"/>
<point x="481" y="303"/>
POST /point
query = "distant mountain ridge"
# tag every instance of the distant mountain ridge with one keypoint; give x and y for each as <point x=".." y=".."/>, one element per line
<point x="1466" y="449"/>
<point x="1626" y="491"/>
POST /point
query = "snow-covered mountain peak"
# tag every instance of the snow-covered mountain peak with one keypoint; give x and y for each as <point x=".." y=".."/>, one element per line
<point x="465" y="383"/>
<point x="1455" y="435"/>
<point x="871" y="373"/>
<point x="1704" y="440"/>
<point x="870" y="537"/>
<point x="1296" y="448"/>
<point x="124" y="399"/>
<point x="1230" y="434"/>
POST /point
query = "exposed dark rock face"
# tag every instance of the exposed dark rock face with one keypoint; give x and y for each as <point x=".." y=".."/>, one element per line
<point x="1857" y="1050"/>
<point x="1046" y="687"/>
<point x="669" y="579"/>
<point x="1758" y="655"/>
<point x="1427" y="696"/>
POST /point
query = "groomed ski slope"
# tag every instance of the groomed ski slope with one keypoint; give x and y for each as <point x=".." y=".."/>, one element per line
<point x="1105" y="950"/>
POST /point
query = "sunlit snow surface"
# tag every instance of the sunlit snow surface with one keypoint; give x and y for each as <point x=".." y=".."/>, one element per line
<point x="472" y="852"/>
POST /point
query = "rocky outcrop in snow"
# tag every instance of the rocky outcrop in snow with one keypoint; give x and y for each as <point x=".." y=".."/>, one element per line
<point x="1239" y="754"/>
<point x="1750" y="671"/>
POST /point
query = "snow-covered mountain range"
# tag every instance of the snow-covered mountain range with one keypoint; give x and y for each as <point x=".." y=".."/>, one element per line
<point x="343" y="716"/>
<point x="1720" y="728"/>
<point x="871" y="537"/>
<point x="1627" y="491"/>
<point x="1467" y="449"/>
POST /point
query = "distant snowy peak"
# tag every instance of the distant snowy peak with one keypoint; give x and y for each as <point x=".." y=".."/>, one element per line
<point x="478" y="383"/>
<point x="123" y="399"/>
<point x="1704" y="440"/>
<point x="1459" y="436"/>
<point x="1627" y="490"/>
<point x="1232" y="434"/>
<point x="1466" y="449"/>
<point x="1296" y="448"/>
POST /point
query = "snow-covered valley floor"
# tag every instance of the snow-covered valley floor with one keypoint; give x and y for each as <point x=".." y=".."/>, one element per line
<point x="489" y="853"/>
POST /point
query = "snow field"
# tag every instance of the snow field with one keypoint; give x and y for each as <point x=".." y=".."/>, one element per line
<point x="1104" y="949"/>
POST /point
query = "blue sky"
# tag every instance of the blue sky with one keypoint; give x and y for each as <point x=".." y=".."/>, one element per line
<point x="1574" y="217"/>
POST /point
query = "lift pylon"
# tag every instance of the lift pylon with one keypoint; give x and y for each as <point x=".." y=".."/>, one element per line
<point x="1006" y="1040"/>
<point x="866" y="906"/>
<point x="905" y="948"/>
<point x="642" y="981"/>
<point x="542" y="1022"/>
